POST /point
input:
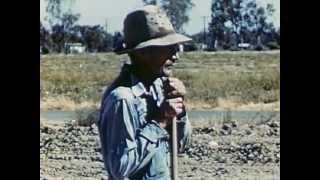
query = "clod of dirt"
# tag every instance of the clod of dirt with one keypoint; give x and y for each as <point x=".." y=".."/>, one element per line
<point x="274" y="124"/>
<point x="213" y="144"/>
<point x="226" y="129"/>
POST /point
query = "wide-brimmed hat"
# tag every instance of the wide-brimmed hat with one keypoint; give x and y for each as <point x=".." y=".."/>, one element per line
<point x="148" y="26"/>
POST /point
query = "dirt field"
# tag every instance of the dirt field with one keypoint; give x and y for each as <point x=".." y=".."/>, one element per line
<point x="230" y="150"/>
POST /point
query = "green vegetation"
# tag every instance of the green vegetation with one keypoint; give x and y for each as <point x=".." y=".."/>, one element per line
<point x="240" y="77"/>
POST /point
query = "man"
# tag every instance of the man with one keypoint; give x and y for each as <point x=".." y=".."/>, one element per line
<point x="138" y="107"/>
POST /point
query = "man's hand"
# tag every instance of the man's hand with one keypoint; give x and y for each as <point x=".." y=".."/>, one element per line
<point x="173" y="105"/>
<point x="173" y="88"/>
<point x="169" y="109"/>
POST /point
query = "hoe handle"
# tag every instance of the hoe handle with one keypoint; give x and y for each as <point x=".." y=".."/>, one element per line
<point x="174" y="159"/>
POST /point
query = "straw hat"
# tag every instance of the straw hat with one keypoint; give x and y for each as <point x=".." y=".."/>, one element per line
<point x="148" y="26"/>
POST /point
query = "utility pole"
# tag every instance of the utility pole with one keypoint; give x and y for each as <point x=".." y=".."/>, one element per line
<point x="106" y="25"/>
<point x="204" y="28"/>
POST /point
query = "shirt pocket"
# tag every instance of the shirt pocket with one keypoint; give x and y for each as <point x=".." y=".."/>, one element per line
<point x="158" y="166"/>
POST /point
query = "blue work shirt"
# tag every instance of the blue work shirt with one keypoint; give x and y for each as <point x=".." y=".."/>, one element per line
<point x="133" y="146"/>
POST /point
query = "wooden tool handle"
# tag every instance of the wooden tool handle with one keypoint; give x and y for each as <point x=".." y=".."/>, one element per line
<point x="174" y="154"/>
<point x="174" y="159"/>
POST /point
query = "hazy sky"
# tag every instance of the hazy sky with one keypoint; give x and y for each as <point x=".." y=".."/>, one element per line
<point x="114" y="11"/>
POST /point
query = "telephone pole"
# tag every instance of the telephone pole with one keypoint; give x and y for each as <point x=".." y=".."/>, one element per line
<point x="204" y="29"/>
<point x="106" y="25"/>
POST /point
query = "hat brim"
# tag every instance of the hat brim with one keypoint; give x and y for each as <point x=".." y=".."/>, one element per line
<point x="167" y="40"/>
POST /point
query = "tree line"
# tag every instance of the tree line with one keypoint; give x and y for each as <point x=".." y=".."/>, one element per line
<point x="63" y="29"/>
<point x="242" y="21"/>
<point x="232" y="22"/>
<point x="94" y="38"/>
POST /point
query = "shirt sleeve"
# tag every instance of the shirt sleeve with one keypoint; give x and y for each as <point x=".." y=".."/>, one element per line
<point x="126" y="148"/>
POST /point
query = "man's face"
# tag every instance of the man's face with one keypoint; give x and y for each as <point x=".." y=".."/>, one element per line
<point x="160" y="60"/>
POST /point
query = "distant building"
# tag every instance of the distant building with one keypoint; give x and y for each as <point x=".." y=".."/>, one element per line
<point x="181" y="48"/>
<point x="203" y="46"/>
<point x="74" y="48"/>
<point x="244" y="45"/>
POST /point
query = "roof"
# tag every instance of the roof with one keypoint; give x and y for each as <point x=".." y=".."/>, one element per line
<point x="73" y="44"/>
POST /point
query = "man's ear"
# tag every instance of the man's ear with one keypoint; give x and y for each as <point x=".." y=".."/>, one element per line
<point x="137" y="57"/>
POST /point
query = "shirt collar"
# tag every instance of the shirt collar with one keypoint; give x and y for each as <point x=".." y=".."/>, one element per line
<point x="137" y="87"/>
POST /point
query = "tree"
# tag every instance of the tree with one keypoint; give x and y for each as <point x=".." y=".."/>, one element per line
<point x="44" y="39"/>
<point x="53" y="10"/>
<point x="107" y="43"/>
<point x="67" y="22"/>
<point x="118" y="40"/>
<point x="64" y="32"/>
<point x="56" y="10"/>
<point x="61" y="20"/>
<point x="256" y="19"/>
<point x="197" y="37"/>
<point x="94" y="38"/>
<point x="176" y="11"/>
<point x="57" y="38"/>
<point x="235" y="21"/>
<point x="217" y="27"/>
<point x="63" y="29"/>
<point x="277" y="36"/>
<point x="153" y="2"/>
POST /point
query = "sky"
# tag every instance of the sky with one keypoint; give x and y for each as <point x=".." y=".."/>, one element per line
<point x="93" y="12"/>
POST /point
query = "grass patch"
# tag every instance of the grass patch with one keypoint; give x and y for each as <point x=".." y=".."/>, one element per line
<point x="239" y="77"/>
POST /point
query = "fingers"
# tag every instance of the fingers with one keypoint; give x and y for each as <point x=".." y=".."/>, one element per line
<point x="172" y="81"/>
<point x="174" y="87"/>
<point x="174" y="91"/>
<point x="174" y="94"/>
<point x="172" y="112"/>
<point x="168" y="80"/>
<point x="175" y="100"/>
<point x="174" y="107"/>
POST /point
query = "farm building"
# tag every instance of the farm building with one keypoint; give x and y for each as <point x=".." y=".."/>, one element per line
<point x="74" y="48"/>
<point x="244" y="45"/>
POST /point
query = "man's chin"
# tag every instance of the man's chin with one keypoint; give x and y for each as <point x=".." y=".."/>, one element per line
<point x="167" y="73"/>
<point x="164" y="73"/>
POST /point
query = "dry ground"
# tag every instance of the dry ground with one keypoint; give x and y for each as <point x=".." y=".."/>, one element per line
<point x="229" y="150"/>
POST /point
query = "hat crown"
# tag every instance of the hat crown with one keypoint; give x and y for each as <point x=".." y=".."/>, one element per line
<point x="145" y="24"/>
